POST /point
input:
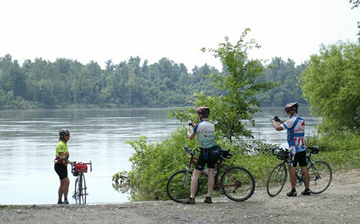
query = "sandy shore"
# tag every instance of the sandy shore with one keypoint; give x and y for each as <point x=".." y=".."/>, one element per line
<point x="339" y="204"/>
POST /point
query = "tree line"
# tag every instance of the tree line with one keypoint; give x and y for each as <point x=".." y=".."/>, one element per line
<point x="63" y="83"/>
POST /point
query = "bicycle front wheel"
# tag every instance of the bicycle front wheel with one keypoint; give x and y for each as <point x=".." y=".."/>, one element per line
<point x="320" y="176"/>
<point x="276" y="180"/>
<point x="80" y="190"/>
<point x="237" y="184"/>
<point x="179" y="185"/>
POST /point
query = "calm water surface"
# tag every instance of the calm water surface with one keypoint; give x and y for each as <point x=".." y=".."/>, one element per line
<point x="28" y="140"/>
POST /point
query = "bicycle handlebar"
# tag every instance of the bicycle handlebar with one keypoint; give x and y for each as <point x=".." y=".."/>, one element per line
<point x="313" y="150"/>
<point x="278" y="149"/>
<point x="186" y="149"/>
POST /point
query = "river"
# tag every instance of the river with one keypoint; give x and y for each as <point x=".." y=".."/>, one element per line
<point x="28" y="139"/>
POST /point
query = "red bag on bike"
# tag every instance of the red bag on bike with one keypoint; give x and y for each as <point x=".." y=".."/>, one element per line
<point x="81" y="168"/>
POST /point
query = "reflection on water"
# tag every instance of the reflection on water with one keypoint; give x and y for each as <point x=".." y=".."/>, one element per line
<point x="28" y="140"/>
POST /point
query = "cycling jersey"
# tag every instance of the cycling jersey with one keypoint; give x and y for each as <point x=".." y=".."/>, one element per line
<point x="295" y="127"/>
<point x="205" y="134"/>
<point x="61" y="147"/>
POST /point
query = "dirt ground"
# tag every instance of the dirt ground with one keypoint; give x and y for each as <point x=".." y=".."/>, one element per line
<point x="339" y="204"/>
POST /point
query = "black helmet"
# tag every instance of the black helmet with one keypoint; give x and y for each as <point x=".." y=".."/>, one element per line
<point x="204" y="111"/>
<point x="291" y="106"/>
<point x="64" y="132"/>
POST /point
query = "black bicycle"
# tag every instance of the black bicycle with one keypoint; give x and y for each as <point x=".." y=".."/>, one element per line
<point x="320" y="173"/>
<point x="237" y="183"/>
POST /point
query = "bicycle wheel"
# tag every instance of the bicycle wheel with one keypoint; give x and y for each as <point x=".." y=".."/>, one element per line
<point x="178" y="185"/>
<point x="276" y="180"/>
<point x="320" y="176"/>
<point x="237" y="184"/>
<point x="80" y="190"/>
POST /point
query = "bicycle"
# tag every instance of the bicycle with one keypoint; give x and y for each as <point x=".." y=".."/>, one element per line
<point x="78" y="170"/>
<point x="320" y="173"/>
<point x="237" y="183"/>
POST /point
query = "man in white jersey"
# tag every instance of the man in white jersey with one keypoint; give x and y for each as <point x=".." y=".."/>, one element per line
<point x="295" y="127"/>
<point x="204" y="130"/>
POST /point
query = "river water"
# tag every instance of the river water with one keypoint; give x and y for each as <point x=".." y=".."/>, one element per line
<point x="28" y="139"/>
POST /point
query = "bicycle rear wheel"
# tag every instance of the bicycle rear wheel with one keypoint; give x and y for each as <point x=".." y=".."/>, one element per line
<point x="276" y="180"/>
<point x="237" y="184"/>
<point x="178" y="186"/>
<point x="320" y="176"/>
<point x="80" y="190"/>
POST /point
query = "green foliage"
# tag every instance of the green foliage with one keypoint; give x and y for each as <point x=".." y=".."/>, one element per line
<point x="65" y="83"/>
<point x="68" y="83"/>
<point x="346" y="142"/>
<point x="285" y="74"/>
<point x="154" y="163"/>
<point x="330" y="84"/>
<point x="239" y="85"/>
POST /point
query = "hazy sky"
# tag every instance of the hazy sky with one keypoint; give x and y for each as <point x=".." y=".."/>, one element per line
<point x="100" y="30"/>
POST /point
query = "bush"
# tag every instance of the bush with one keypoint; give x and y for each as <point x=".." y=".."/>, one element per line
<point x="154" y="163"/>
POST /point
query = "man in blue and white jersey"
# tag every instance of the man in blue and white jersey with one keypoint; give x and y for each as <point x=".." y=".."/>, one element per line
<point x="295" y="127"/>
<point x="204" y="130"/>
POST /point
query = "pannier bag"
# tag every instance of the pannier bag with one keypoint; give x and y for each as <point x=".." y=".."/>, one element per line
<point x="81" y="168"/>
<point x="283" y="155"/>
<point x="225" y="153"/>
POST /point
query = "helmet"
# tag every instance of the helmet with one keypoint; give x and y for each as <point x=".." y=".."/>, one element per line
<point x="204" y="111"/>
<point x="291" y="106"/>
<point x="64" y="132"/>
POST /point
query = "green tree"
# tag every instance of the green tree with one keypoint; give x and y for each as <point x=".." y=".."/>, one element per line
<point x="239" y="87"/>
<point x="331" y="85"/>
<point x="286" y="74"/>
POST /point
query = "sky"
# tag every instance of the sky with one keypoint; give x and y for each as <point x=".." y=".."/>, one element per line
<point x="102" y="30"/>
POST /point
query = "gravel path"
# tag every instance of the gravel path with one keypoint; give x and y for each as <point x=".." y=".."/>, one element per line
<point x="339" y="204"/>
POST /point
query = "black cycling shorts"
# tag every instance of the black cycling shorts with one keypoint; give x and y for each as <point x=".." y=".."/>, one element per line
<point x="300" y="158"/>
<point x="61" y="170"/>
<point x="210" y="161"/>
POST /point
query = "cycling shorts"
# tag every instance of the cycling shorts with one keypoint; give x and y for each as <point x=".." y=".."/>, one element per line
<point x="61" y="170"/>
<point x="210" y="161"/>
<point x="300" y="158"/>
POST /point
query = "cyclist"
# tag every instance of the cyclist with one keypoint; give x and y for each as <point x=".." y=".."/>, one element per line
<point x="61" y="161"/>
<point x="295" y="127"/>
<point x="204" y="130"/>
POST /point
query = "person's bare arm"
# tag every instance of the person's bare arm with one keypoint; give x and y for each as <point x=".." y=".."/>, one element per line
<point x="277" y="126"/>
